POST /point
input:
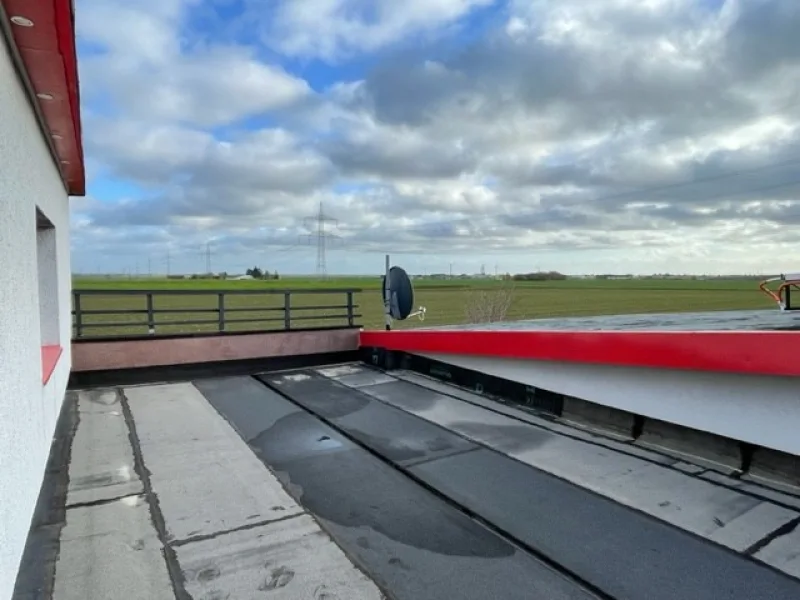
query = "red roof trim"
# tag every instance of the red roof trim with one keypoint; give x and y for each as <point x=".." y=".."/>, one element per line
<point x="750" y="352"/>
<point x="49" y="57"/>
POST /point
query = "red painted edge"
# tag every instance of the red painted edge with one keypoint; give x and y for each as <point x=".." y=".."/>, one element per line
<point x="49" y="55"/>
<point x="65" y="28"/>
<point x="50" y="356"/>
<point x="750" y="352"/>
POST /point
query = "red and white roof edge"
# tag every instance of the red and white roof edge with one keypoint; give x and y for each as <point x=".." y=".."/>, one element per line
<point x="744" y="352"/>
<point x="43" y="38"/>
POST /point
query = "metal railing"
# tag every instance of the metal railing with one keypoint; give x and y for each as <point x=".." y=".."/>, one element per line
<point x="142" y="313"/>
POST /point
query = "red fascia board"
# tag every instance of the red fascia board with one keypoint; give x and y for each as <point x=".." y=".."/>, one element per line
<point x="747" y="352"/>
<point x="50" y="356"/>
<point x="65" y="26"/>
<point x="50" y="59"/>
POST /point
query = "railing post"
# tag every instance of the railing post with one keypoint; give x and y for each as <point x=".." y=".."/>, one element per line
<point x="350" y="312"/>
<point x="151" y="316"/>
<point x="221" y="310"/>
<point x="287" y="311"/>
<point x="76" y="301"/>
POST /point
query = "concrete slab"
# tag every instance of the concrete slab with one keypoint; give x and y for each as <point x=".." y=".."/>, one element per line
<point x="206" y="478"/>
<point x="783" y="552"/>
<point x="353" y="376"/>
<point x="401" y="437"/>
<point x="624" y="553"/>
<point x="259" y="407"/>
<point x="749" y="528"/>
<point x="668" y="494"/>
<point x="497" y="406"/>
<point x="99" y="401"/>
<point x="111" y="551"/>
<point x="755" y="489"/>
<point x="286" y="560"/>
<point x="336" y="371"/>
<point x="415" y="544"/>
<point x="102" y="457"/>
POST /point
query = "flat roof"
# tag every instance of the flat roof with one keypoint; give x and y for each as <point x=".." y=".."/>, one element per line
<point x="349" y="482"/>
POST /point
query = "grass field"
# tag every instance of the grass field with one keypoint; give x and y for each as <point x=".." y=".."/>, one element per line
<point x="446" y="301"/>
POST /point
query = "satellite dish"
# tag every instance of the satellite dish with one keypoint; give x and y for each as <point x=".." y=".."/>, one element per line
<point x="400" y="293"/>
<point x="398" y="296"/>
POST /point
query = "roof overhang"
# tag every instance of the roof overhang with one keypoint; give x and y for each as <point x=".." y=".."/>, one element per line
<point x="43" y="34"/>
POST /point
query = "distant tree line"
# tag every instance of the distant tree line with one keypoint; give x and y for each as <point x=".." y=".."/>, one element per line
<point x="257" y="273"/>
<point x="536" y="276"/>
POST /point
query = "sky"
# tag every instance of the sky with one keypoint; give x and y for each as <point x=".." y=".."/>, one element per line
<point x="623" y="136"/>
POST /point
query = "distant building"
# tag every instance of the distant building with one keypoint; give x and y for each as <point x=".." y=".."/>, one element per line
<point x="41" y="165"/>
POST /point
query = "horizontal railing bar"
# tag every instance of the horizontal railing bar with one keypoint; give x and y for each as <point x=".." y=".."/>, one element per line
<point x="163" y="311"/>
<point x="101" y="324"/>
<point x="267" y="320"/>
<point x="329" y="307"/>
<point x="129" y="324"/>
<point x="253" y="309"/>
<point x="177" y="311"/>
<point x="318" y="317"/>
<point x="167" y="334"/>
<point x="180" y="311"/>
<point x="136" y="311"/>
<point x="300" y="291"/>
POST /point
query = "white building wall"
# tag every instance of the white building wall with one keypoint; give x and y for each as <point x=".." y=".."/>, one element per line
<point x="28" y="410"/>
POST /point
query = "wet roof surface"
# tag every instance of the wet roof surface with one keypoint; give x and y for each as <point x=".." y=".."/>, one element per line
<point x="754" y="320"/>
<point x="348" y="483"/>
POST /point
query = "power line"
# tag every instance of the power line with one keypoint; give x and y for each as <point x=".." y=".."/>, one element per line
<point x="321" y="237"/>
<point x="167" y="260"/>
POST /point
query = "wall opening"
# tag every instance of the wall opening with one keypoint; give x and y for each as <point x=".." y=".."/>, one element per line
<point x="47" y="274"/>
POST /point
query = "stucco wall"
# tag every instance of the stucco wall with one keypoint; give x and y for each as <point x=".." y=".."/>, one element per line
<point x="28" y="410"/>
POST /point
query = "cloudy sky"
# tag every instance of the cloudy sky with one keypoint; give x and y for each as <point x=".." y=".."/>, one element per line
<point x="578" y="135"/>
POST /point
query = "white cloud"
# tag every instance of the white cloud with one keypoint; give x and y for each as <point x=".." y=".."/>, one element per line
<point x="570" y="131"/>
<point x="150" y="71"/>
<point x="331" y="29"/>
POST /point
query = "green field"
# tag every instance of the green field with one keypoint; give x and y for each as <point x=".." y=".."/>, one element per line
<point x="448" y="302"/>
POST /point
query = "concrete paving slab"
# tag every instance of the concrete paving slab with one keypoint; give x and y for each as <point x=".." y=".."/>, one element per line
<point x="416" y="545"/>
<point x="336" y="371"/>
<point x="287" y="560"/>
<point x="206" y="478"/>
<point x="99" y="401"/>
<point x="748" y="529"/>
<point x="593" y="436"/>
<point x="354" y="376"/>
<point x="754" y="489"/>
<point x="400" y="436"/>
<point x="111" y="551"/>
<point x="783" y="552"/>
<point x="259" y="407"/>
<point x="667" y="494"/>
<point x="622" y="552"/>
<point x="101" y="465"/>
